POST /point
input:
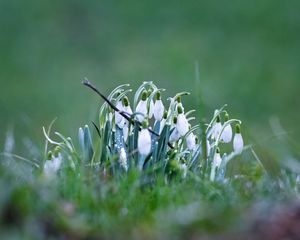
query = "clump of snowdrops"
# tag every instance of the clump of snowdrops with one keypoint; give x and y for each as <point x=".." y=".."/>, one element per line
<point x="151" y="134"/>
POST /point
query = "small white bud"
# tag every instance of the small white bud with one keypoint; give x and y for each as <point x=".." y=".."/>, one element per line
<point x="144" y="142"/>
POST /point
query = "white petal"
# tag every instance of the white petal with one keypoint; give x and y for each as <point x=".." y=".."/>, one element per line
<point x="141" y="108"/>
<point x="227" y="134"/>
<point x="238" y="143"/>
<point x="144" y="142"/>
<point x="217" y="160"/>
<point x="158" y="110"/>
<point x="123" y="159"/>
<point x="182" y="124"/>
<point x="191" y="141"/>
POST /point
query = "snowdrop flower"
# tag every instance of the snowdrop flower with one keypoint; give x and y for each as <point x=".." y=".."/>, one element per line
<point x="120" y="121"/>
<point x="217" y="158"/>
<point x="217" y="128"/>
<point x="141" y="108"/>
<point x="144" y="140"/>
<point x="158" y="108"/>
<point x="175" y="134"/>
<point x="191" y="141"/>
<point x="123" y="159"/>
<point x="238" y="142"/>
<point x="53" y="165"/>
<point x="227" y="132"/>
<point x="215" y="164"/>
<point x="182" y="123"/>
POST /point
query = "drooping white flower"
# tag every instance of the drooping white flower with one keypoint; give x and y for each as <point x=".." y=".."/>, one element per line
<point x="53" y="165"/>
<point x="238" y="142"/>
<point x="123" y="159"/>
<point x="158" y="109"/>
<point x="217" y="159"/>
<point x="144" y="142"/>
<point x="119" y="119"/>
<point x="217" y="128"/>
<point x="141" y="108"/>
<point x="182" y="124"/>
<point x="191" y="141"/>
<point x="227" y="133"/>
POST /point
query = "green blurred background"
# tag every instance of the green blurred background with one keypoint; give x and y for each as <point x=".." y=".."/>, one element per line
<point x="248" y="54"/>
